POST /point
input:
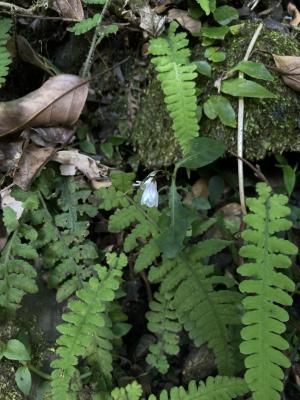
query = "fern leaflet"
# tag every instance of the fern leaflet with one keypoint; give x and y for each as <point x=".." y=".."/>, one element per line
<point x="177" y="78"/>
<point x="87" y="330"/>
<point x="266" y="290"/>
<point x="207" y="314"/>
<point x="5" y="58"/>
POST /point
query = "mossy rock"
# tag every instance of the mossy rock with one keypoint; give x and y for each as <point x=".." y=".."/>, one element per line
<point x="271" y="125"/>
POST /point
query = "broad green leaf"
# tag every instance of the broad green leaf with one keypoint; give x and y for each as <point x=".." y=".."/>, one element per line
<point x="204" y="4"/>
<point x="171" y="239"/>
<point x="10" y="219"/>
<point x="225" y="14"/>
<point x="203" y="68"/>
<point x="215" y="32"/>
<point x="203" y="151"/>
<point x="254" y="69"/>
<point x="219" y="106"/>
<point x="122" y="181"/>
<point x="23" y="380"/>
<point x="244" y="88"/>
<point x="289" y="174"/>
<point x="214" y="55"/>
<point x="15" y="350"/>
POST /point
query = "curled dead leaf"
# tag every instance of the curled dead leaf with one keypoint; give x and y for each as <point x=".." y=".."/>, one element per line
<point x="187" y="22"/>
<point x="69" y="8"/>
<point x="289" y="69"/>
<point x="59" y="101"/>
<point x="150" y="21"/>
<point x="294" y="13"/>
<point x="85" y="164"/>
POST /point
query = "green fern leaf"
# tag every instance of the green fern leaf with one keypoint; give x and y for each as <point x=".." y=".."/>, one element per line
<point x="207" y="314"/>
<point x="266" y="290"/>
<point x="86" y="25"/>
<point x="5" y="58"/>
<point x="177" y="78"/>
<point x="87" y="331"/>
<point x="162" y="320"/>
<point x="133" y="391"/>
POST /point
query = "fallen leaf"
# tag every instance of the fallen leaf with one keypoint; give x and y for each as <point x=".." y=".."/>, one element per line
<point x="68" y="170"/>
<point x="69" y="8"/>
<point x="32" y="161"/>
<point x="187" y="22"/>
<point x="295" y="14"/>
<point x="150" y="21"/>
<point x="162" y="7"/>
<point x="29" y="55"/>
<point x="289" y="69"/>
<point x="46" y="137"/>
<point x="8" y="201"/>
<point x="59" y="101"/>
<point x="85" y="164"/>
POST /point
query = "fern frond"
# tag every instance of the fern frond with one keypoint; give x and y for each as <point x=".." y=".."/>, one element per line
<point x="86" y="25"/>
<point x="5" y="58"/>
<point x="218" y="388"/>
<point x="207" y="314"/>
<point x="17" y="275"/>
<point x="177" y="78"/>
<point x="162" y="321"/>
<point x="142" y="222"/>
<point x="87" y="331"/>
<point x="267" y="293"/>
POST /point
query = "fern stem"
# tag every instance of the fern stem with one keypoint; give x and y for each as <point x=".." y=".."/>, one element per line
<point x="95" y="42"/>
<point x="38" y="372"/>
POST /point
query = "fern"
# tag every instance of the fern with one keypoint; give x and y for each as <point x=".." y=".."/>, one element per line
<point x="207" y="314"/>
<point x="162" y="320"/>
<point x="71" y="256"/>
<point x="218" y="388"/>
<point x="5" y="58"/>
<point x="130" y="215"/>
<point x="17" y="275"/>
<point x="177" y="76"/>
<point x="266" y="290"/>
<point x="87" y="331"/>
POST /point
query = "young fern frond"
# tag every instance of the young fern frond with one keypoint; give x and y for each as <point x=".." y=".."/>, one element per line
<point x="177" y="76"/>
<point x="267" y="293"/>
<point x="87" y="330"/>
<point x="162" y="320"/>
<point x="130" y="215"/>
<point x="218" y="388"/>
<point x="5" y="58"/>
<point x="207" y="314"/>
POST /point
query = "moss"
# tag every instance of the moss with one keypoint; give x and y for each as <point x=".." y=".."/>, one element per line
<point x="270" y="125"/>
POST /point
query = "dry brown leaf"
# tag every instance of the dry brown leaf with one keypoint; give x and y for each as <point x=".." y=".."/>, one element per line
<point x="32" y="161"/>
<point x="85" y="164"/>
<point x="59" y="101"/>
<point x="150" y="21"/>
<point x="289" y="69"/>
<point x="187" y="22"/>
<point x="294" y="12"/>
<point x="69" y="8"/>
<point x="8" y="201"/>
<point x="46" y="137"/>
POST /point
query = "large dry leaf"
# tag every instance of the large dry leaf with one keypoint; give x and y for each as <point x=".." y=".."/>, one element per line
<point x="32" y="161"/>
<point x="69" y="8"/>
<point x="85" y="164"/>
<point x="289" y="69"/>
<point x="59" y="101"/>
<point x="187" y="22"/>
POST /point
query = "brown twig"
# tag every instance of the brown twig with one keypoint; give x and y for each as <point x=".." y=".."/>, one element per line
<point x="256" y="169"/>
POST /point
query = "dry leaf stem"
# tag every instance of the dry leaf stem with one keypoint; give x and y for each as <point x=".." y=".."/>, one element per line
<point x="240" y="131"/>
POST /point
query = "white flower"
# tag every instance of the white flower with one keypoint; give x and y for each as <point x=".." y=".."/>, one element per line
<point x="150" y="194"/>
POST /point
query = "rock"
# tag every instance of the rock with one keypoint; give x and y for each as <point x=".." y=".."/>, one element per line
<point x="270" y="124"/>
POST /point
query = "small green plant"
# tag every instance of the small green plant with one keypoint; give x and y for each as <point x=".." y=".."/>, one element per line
<point x="5" y="58"/>
<point x="267" y="291"/>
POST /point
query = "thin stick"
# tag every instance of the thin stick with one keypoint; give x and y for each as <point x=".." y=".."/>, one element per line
<point x="240" y="131"/>
<point x="13" y="7"/>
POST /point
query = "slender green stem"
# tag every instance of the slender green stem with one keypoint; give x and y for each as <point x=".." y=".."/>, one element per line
<point x="95" y="42"/>
<point x="38" y="372"/>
